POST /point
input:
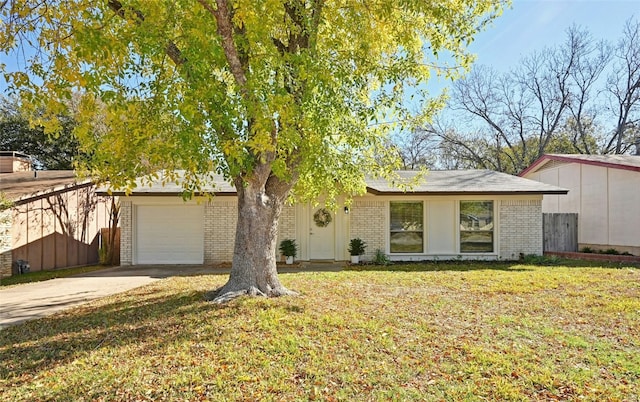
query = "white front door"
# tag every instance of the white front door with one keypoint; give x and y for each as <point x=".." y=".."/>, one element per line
<point x="322" y="240"/>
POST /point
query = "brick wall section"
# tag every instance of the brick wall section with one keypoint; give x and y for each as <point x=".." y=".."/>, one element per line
<point x="126" y="232"/>
<point x="221" y="218"/>
<point x="5" y="243"/>
<point x="368" y="223"/>
<point x="209" y="230"/>
<point x="520" y="228"/>
<point x="287" y="224"/>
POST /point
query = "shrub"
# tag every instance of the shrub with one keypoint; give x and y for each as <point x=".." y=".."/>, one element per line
<point x="357" y="246"/>
<point x="288" y="248"/>
<point x="380" y="258"/>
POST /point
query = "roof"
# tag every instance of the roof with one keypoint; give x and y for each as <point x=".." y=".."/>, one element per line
<point x="465" y="182"/>
<point x="14" y="154"/>
<point x="452" y="182"/>
<point x="163" y="185"/>
<point x="624" y="162"/>
<point x="23" y="185"/>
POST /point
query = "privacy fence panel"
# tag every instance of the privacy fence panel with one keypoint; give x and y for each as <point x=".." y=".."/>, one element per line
<point x="560" y="232"/>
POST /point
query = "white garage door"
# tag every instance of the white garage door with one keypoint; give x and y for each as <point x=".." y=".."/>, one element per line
<point x="169" y="234"/>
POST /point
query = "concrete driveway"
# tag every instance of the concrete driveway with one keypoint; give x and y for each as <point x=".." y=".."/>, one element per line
<point x="29" y="301"/>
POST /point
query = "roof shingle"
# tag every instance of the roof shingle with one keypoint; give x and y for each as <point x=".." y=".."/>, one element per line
<point x="449" y="182"/>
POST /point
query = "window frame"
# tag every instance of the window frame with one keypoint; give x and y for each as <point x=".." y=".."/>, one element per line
<point x="492" y="232"/>
<point x="422" y="231"/>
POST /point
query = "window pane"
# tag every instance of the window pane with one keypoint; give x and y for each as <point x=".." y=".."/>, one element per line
<point x="476" y="242"/>
<point x="406" y="216"/>
<point x="476" y="226"/>
<point x="406" y="242"/>
<point x="476" y="215"/>
<point x="407" y="222"/>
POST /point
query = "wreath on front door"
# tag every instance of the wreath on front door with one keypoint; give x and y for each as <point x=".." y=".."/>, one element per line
<point x="322" y="218"/>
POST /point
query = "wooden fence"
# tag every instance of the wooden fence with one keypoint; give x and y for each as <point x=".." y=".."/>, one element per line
<point x="115" y="247"/>
<point x="560" y="232"/>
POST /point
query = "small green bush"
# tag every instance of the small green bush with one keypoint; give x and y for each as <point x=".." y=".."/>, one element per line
<point x="586" y="250"/>
<point x="380" y="258"/>
<point x="289" y="248"/>
<point x="357" y="246"/>
<point x="611" y="251"/>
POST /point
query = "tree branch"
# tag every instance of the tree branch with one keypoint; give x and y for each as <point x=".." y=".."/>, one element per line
<point x="171" y="49"/>
<point x="223" y="18"/>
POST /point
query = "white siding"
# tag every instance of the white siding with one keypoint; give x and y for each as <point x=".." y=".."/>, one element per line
<point x="569" y="176"/>
<point x="606" y="199"/>
<point x="624" y="207"/>
<point x="551" y="202"/>
<point x="593" y="218"/>
<point x="441" y="224"/>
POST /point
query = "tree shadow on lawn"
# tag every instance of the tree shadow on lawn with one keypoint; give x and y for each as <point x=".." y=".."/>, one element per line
<point x="435" y="266"/>
<point x="139" y="319"/>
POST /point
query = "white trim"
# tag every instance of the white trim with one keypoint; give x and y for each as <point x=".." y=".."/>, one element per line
<point x="456" y="253"/>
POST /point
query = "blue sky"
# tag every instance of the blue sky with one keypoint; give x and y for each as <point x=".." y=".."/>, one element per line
<point x="530" y="25"/>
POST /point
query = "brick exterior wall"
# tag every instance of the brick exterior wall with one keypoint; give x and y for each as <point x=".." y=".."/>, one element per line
<point x="287" y="224"/>
<point x="220" y="217"/>
<point x="520" y="228"/>
<point x="5" y="243"/>
<point x="126" y="232"/>
<point x="220" y="222"/>
<point x="368" y="222"/>
<point x="209" y="220"/>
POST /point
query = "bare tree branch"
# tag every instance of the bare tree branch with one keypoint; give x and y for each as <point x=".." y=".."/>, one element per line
<point x="624" y="86"/>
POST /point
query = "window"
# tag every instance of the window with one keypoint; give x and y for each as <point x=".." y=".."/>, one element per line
<point x="476" y="226"/>
<point x="407" y="227"/>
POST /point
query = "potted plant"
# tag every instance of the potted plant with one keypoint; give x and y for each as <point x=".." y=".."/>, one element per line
<point x="289" y="249"/>
<point x="356" y="249"/>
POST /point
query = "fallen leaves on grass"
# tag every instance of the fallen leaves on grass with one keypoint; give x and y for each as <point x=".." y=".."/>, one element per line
<point x="527" y="333"/>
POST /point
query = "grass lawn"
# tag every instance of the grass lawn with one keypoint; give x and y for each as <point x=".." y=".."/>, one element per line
<point x="38" y="276"/>
<point x="465" y="331"/>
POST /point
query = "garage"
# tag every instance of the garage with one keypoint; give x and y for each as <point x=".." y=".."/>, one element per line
<point x="169" y="234"/>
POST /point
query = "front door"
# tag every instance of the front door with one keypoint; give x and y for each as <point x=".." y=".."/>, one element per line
<point x="322" y="234"/>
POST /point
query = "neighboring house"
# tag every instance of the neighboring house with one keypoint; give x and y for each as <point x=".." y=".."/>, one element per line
<point x="55" y="219"/>
<point x="473" y="214"/>
<point x="604" y="192"/>
<point x="12" y="161"/>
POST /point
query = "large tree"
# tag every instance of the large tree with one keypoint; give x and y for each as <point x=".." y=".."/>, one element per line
<point x="285" y="98"/>
<point x="47" y="152"/>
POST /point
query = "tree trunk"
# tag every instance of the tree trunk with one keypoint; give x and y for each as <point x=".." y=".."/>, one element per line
<point x="253" y="270"/>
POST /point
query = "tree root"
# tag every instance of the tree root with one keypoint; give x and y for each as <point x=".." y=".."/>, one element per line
<point x="223" y="295"/>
